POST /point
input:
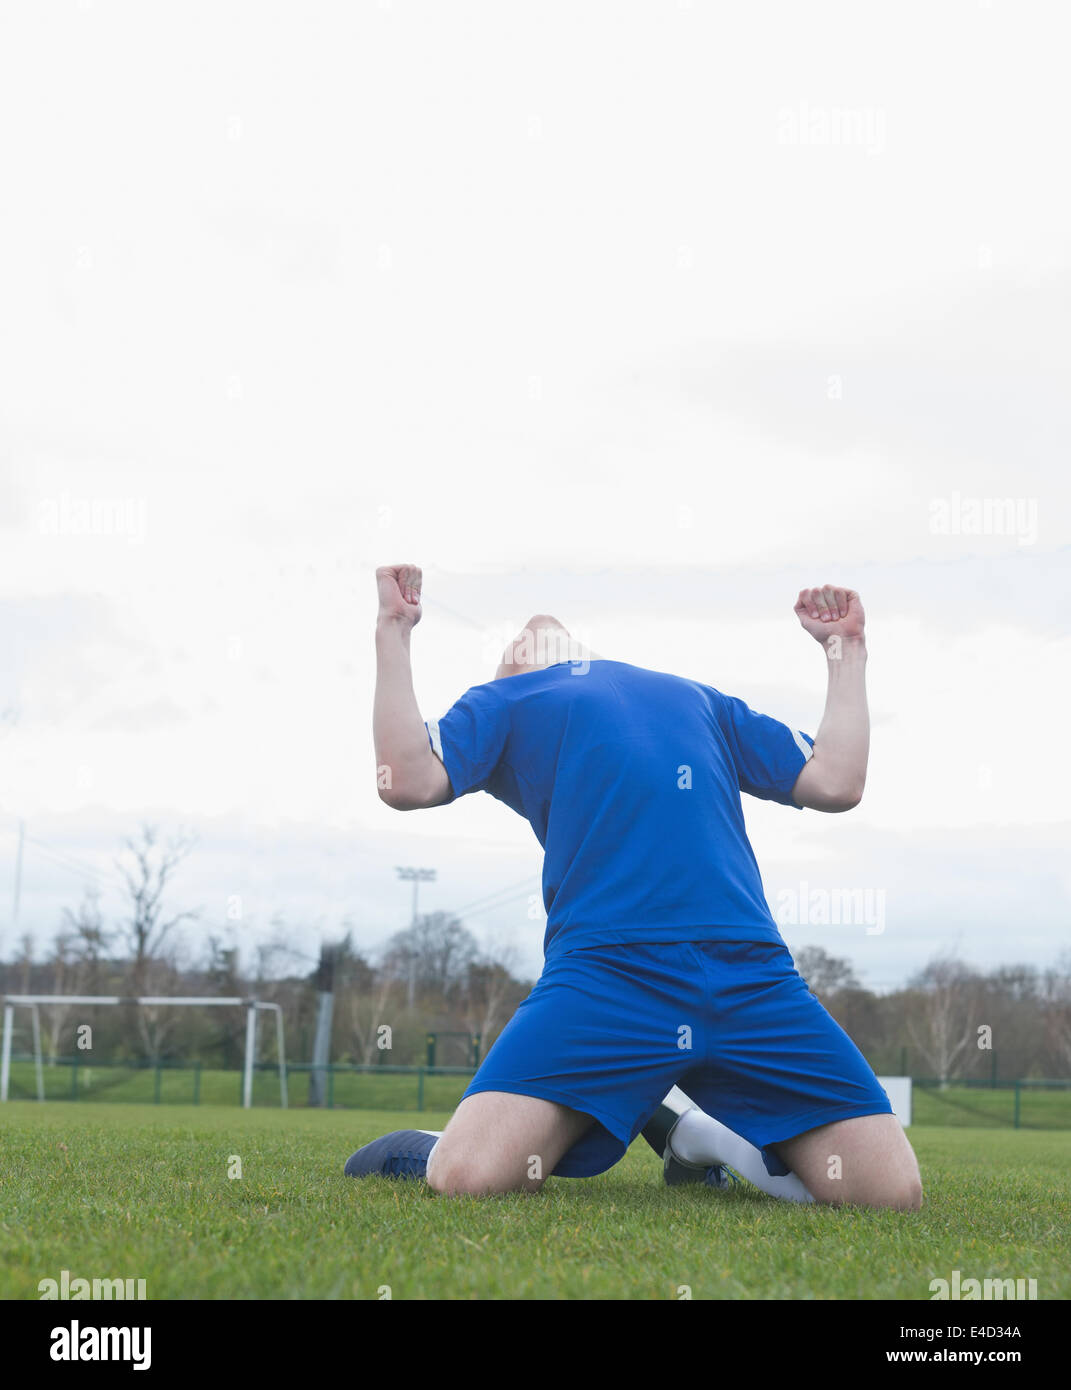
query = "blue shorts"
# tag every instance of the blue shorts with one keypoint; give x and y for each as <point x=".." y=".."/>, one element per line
<point x="609" y="1030"/>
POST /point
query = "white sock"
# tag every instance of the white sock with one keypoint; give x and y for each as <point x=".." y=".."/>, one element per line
<point x="699" y="1139"/>
<point x="678" y="1102"/>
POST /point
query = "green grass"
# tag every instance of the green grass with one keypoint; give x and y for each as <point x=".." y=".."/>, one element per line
<point x="142" y="1192"/>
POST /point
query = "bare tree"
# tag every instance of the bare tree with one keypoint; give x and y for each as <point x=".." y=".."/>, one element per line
<point x="367" y="1001"/>
<point x="1013" y="1007"/>
<point x="491" y="991"/>
<point x="943" y="1026"/>
<point x="824" y="974"/>
<point x="267" y="956"/>
<point x="164" y="974"/>
<point x="223" y="978"/>
<point x="277" y="954"/>
<point x="68" y="976"/>
<point x="434" y="954"/>
<point x="90" y="937"/>
<point x="147" y="868"/>
<point x="1057" y="1010"/>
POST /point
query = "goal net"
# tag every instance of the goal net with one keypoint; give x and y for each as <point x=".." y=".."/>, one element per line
<point x="253" y="1008"/>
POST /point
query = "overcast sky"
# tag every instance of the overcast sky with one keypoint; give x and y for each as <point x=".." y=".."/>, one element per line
<point x="642" y="314"/>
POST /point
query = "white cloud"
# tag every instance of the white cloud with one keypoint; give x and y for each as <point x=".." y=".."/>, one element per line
<point x="583" y="326"/>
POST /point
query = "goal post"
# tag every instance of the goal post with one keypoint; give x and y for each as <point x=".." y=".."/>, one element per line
<point x="252" y="1007"/>
<point x="5" y="1047"/>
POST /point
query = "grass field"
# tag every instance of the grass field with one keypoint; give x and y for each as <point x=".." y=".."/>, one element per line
<point x="109" y="1191"/>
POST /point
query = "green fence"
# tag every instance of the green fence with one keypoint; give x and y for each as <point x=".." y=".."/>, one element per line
<point x="1024" y="1104"/>
<point x="191" y="1083"/>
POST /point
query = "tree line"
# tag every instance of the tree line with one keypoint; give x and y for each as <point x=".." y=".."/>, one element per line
<point x="433" y="976"/>
<point x="950" y="1022"/>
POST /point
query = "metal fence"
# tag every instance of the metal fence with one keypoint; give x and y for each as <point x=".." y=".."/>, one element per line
<point x="1025" y="1103"/>
<point x="1034" y="1103"/>
<point x="346" y="1086"/>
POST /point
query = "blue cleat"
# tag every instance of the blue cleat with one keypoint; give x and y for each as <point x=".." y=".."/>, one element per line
<point x="721" y="1177"/>
<point x="403" y="1154"/>
<point x="675" y="1171"/>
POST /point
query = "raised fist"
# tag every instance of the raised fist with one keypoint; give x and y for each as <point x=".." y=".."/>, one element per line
<point x="399" y="593"/>
<point x="830" y="612"/>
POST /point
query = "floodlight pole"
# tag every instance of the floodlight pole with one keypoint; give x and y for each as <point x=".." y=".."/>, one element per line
<point x="416" y="877"/>
<point x="16" y="896"/>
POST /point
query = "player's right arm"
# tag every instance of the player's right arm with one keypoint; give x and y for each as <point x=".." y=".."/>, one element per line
<point x="834" y="777"/>
<point x="409" y="775"/>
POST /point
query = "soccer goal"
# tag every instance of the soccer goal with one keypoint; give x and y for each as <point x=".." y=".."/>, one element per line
<point x="253" y="1007"/>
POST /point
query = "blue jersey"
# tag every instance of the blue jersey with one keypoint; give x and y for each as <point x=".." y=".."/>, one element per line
<point x="631" y="780"/>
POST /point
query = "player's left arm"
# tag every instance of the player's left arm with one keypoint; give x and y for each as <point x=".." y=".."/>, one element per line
<point x="834" y="776"/>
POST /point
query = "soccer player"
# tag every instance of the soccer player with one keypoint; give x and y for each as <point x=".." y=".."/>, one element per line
<point x="663" y="968"/>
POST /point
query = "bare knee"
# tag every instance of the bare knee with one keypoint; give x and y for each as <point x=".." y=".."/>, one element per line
<point x="457" y="1175"/>
<point x="901" y="1191"/>
<point x="907" y="1194"/>
<point x="865" y="1161"/>
<point x="907" y="1183"/>
<point x="453" y="1180"/>
<point x="896" y="1194"/>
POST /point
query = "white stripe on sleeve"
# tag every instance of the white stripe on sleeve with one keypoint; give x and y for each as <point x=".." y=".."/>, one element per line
<point x="802" y="744"/>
